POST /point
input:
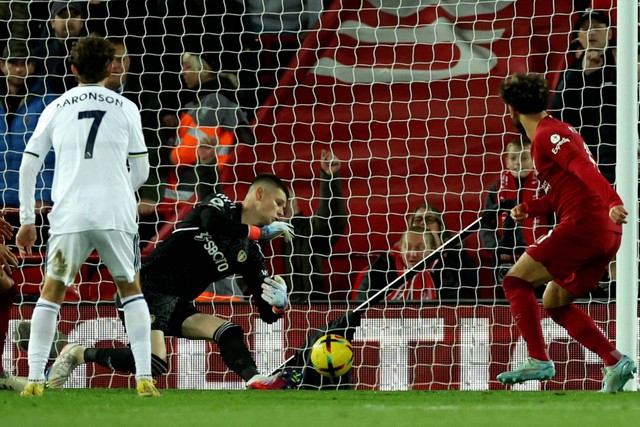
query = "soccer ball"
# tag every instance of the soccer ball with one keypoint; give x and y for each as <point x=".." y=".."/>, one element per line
<point x="332" y="356"/>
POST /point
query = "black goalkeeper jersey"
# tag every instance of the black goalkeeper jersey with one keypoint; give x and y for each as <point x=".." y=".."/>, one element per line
<point x="209" y="244"/>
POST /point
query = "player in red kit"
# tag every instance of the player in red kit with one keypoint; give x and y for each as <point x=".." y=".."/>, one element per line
<point x="573" y="257"/>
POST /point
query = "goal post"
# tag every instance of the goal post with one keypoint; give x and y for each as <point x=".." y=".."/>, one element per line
<point x="627" y="171"/>
<point x="405" y="95"/>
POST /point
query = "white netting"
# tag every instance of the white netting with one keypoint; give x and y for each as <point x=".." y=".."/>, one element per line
<point x="404" y="94"/>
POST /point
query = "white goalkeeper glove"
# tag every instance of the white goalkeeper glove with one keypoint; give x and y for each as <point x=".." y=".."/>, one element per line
<point x="274" y="291"/>
<point x="275" y="230"/>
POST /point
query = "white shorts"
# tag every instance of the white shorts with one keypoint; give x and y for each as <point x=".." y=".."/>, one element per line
<point x="119" y="251"/>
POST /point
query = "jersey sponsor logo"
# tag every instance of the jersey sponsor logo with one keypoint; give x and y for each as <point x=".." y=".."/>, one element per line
<point x="558" y="141"/>
<point x="212" y="249"/>
<point x="242" y="256"/>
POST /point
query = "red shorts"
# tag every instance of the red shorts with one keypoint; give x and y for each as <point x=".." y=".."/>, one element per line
<point x="576" y="257"/>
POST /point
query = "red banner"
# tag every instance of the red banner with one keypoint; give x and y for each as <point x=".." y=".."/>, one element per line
<point x="407" y="97"/>
<point x="398" y="347"/>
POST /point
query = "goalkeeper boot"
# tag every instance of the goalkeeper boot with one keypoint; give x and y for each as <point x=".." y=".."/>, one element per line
<point x="616" y="376"/>
<point x="70" y="357"/>
<point x="9" y="382"/>
<point x="147" y="388"/>
<point x="32" y="389"/>
<point x="532" y="369"/>
<point x="286" y="379"/>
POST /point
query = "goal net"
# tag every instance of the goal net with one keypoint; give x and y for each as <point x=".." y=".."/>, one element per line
<point x="404" y="94"/>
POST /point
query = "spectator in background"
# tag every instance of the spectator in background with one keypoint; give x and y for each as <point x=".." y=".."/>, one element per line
<point x="456" y="270"/>
<point x="66" y="27"/>
<point x="124" y="83"/>
<point x="23" y="98"/>
<point x="586" y="95"/>
<point x="416" y="244"/>
<point x="8" y="262"/>
<point x="609" y="5"/>
<point x="315" y="235"/>
<point x="211" y="120"/>
<point x="517" y="184"/>
<point x="14" y="21"/>
<point x="198" y="25"/>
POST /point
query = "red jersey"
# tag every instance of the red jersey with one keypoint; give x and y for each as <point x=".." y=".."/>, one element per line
<point x="575" y="189"/>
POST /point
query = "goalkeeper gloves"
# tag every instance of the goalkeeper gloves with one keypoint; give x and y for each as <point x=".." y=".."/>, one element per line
<point x="275" y="230"/>
<point x="274" y="291"/>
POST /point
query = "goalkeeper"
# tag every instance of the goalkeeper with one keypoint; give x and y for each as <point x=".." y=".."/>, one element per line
<point x="217" y="239"/>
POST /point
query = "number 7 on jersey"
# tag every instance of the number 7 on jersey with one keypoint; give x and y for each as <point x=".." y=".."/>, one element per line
<point x="97" y="116"/>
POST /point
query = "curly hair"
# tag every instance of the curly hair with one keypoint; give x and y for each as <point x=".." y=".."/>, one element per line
<point x="91" y="56"/>
<point x="527" y="93"/>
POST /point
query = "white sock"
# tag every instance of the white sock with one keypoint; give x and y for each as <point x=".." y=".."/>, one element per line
<point x="43" y="328"/>
<point x="137" y="321"/>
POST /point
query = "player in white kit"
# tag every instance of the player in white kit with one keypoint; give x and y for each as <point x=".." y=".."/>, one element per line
<point x="100" y="161"/>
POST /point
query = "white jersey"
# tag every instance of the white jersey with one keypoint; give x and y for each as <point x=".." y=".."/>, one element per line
<point x="93" y="131"/>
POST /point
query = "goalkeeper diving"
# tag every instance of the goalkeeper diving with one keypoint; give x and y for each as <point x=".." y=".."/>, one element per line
<point x="217" y="239"/>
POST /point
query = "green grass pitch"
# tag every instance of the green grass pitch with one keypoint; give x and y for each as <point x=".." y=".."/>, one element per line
<point x="191" y="408"/>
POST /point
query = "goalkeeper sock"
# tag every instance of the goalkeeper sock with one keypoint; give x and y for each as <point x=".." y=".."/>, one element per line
<point x="118" y="359"/>
<point x="121" y="359"/>
<point x="583" y="329"/>
<point x="234" y="352"/>
<point x="524" y="308"/>
<point x="6" y="302"/>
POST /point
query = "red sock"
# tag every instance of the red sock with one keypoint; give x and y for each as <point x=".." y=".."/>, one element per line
<point x="583" y="329"/>
<point x="526" y="312"/>
<point x="6" y="302"/>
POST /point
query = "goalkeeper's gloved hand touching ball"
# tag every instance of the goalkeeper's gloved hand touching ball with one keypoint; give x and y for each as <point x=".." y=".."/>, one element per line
<point x="274" y="291"/>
